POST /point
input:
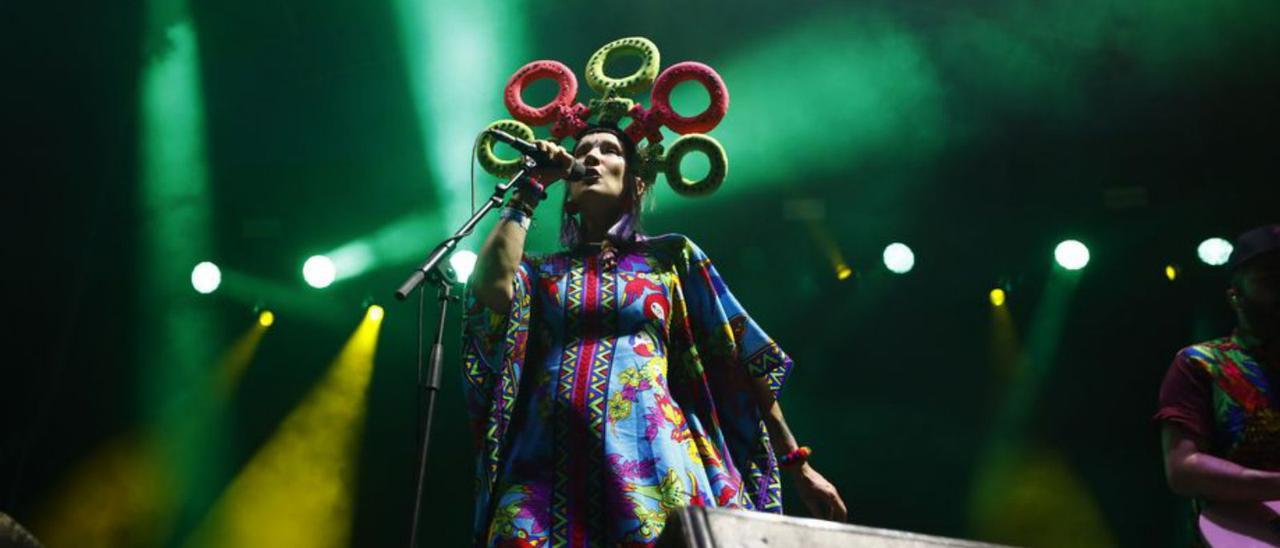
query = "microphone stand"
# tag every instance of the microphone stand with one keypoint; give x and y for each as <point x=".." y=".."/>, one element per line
<point x="432" y="270"/>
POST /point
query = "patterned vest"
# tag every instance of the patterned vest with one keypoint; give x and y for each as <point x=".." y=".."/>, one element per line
<point x="1246" y="409"/>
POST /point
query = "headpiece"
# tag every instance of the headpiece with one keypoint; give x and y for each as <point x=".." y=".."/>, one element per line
<point x="568" y="117"/>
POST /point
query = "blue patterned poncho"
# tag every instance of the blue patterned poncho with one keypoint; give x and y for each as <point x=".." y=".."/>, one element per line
<point x="606" y="397"/>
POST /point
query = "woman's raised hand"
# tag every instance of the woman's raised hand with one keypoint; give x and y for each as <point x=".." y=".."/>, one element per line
<point x="561" y="161"/>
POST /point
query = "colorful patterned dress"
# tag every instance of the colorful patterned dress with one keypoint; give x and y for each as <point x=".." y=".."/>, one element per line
<point x="608" y="396"/>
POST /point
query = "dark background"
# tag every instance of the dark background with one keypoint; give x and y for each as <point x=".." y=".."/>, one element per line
<point x="1140" y="129"/>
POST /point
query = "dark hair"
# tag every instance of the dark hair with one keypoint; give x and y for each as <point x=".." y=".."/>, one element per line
<point x="626" y="230"/>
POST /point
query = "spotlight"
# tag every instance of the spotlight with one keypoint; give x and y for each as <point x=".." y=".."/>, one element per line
<point x="997" y="297"/>
<point x="1171" y="272"/>
<point x="898" y="258"/>
<point x="375" y="313"/>
<point x="318" y="271"/>
<point x="1214" y="251"/>
<point x="1071" y="255"/>
<point x="266" y="318"/>
<point x="206" y="277"/>
<point x="843" y="272"/>
<point x="463" y="263"/>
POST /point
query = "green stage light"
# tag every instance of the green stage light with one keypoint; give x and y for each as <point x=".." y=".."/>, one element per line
<point x="463" y="263"/>
<point x="452" y="110"/>
<point x="176" y="335"/>
<point x="898" y="258"/>
<point x="1214" y="251"/>
<point x="318" y="271"/>
<point x="1071" y="255"/>
<point x="846" y="66"/>
<point x="206" y="277"/>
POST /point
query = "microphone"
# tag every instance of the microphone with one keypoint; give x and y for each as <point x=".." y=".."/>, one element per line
<point x="576" y="171"/>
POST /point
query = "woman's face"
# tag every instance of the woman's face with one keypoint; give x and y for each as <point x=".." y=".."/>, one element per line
<point x="602" y="188"/>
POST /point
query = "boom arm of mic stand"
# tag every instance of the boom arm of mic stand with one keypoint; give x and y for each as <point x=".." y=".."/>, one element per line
<point x="444" y="248"/>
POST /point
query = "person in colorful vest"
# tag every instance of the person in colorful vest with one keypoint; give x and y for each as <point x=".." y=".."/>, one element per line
<point x="1219" y="404"/>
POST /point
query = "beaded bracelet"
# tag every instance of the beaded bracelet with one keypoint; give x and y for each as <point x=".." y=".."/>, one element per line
<point x="799" y="456"/>
<point x="521" y="205"/>
<point x="517" y="216"/>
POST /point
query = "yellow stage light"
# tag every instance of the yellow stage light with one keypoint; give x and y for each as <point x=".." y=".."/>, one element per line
<point x="1171" y="272"/>
<point x="266" y="318"/>
<point x="843" y="272"/>
<point x="997" y="297"/>
<point x="120" y="494"/>
<point x="299" y="488"/>
<point x="375" y="313"/>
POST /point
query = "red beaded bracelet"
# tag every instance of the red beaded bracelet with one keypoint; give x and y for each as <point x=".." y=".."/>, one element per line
<point x="799" y="456"/>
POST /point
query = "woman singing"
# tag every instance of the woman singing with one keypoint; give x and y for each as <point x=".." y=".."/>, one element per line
<point x="619" y="378"/>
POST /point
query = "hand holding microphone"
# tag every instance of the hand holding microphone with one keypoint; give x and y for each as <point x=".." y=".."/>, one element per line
<point x="553" y="161"/>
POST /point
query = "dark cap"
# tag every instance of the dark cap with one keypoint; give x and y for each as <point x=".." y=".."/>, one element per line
<point x="1253" y="243"/>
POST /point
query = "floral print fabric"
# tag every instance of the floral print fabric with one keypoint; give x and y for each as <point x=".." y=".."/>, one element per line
<point x="605" y="397"/>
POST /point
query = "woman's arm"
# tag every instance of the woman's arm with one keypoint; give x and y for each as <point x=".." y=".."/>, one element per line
<point x="818" y="494"/>
<point x="500" y="255"/>
<point x="1192" y="472"/>
<point x="496" y="264"/>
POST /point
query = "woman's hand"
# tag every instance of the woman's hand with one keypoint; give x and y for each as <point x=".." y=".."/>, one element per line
<point x="561" y="161"/>
<point x="818" y="494"/>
